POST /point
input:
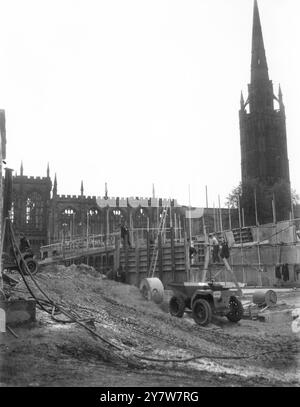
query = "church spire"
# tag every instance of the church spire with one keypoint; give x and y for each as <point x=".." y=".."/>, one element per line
<point x="81" y="188"/>
<point x="21" y="169"/>
<point x="264" y="158"/>
<point x="48" y="171"/>
<point x="259" y="67"/>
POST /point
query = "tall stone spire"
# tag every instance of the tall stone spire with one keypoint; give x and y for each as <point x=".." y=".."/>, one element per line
<point x="48" y="171"/>
<point x="259" y="66"/>
<point x="21" y="169"/>
<point x="81" y="188"/>
<point x="264" y="157"/>
<point x="260" y="88"/>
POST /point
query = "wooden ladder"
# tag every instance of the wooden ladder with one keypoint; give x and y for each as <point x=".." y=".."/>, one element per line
<point x="161" y="228"/>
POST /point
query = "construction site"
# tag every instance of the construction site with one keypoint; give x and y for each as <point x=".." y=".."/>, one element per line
<point x="128" y="324"/>
<point x="124" y="292"/>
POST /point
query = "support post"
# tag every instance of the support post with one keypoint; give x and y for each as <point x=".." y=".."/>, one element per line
<point x="220" y="214"/>
<point x="173" y="265"/>
<point x="179" y="226"/>
<point x="148" y="249"/>
<point x="137" y="261"/>
<point x="87" y="229"/>
<point x="255" y="207"/>
<point x="160" y="257"/>
<point x="126" y="247"/>
<point x="241" y="240"/>
<point x="187" y="257"/>
<point x="207" y="253"/>
<point x="274" y="209"/>
<point x="175" y="222"/>
<point x="117" y="255"/>
<point x="190" y="215"/>
<point x="214" y="214"/>
<point x="107" y="222"/>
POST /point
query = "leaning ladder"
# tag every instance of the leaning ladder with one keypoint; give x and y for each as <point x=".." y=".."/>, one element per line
<point x="154" y="256"/>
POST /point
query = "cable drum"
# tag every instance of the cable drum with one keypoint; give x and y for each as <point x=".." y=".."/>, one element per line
<point x="152" y="289"/>
<point x="264" y="297"/>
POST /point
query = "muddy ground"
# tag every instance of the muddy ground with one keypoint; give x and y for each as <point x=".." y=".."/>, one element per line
<point x="48" y="353"/>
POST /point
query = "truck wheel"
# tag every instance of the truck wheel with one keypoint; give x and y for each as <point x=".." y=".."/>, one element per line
<point x="201" y="312"/>
<point x="177" y="306"/>
<point x="236" y="310"/>
<point x="32" y="266"/>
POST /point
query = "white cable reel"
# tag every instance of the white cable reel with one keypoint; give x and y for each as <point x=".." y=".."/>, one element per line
<point x="152" y="289"/>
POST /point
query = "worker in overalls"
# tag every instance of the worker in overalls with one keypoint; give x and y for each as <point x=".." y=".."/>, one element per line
<point x="215" y="248"/>
<point x="24" y="245"/>
<point x="125" y="235"/>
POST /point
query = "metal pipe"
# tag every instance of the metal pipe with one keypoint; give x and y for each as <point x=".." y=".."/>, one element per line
<point x="220" y="214"/>
<point x="241" y="240"/>
<point x="255" y="207"/>
<point x="190" y="215"/>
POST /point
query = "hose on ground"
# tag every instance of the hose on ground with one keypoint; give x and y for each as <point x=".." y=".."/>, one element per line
<point x="54" y="305"/>
<point x="190" y="359"/>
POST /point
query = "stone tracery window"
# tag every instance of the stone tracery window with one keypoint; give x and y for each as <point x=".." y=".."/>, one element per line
<point x="12" y="213"/>
<point x="69" y="212"/>
<point x="68" y="224"/>
<point x="116" y="217"/>
<point x="34" y="211"/>
<point x="141" y="219"/>
<point x="93" y="219"/>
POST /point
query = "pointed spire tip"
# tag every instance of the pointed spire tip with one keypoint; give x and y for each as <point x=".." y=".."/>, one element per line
<point x="259" y="67"/>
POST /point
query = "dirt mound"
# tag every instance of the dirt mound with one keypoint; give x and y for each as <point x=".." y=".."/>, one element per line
<point x="121" y="316"/>
<point x="74" y="268"/>
<point x="83" y="285"/>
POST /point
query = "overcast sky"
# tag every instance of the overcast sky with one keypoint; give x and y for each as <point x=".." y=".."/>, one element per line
<point x="135" y="92"/>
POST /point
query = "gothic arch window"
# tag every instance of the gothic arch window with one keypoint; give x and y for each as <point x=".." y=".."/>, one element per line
<point x="68" y="223"/>
<point x="17" y="207"/>
<point x="34" y="211"/>
<point x="93" y="221"/>
<point x="12" y="213"/>
<point x="141" y="218"/>
<point x="69" y="212"/>
<point x="116" y="218"/>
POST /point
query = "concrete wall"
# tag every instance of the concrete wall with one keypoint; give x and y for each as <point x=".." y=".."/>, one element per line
<point x="247" y="258"/>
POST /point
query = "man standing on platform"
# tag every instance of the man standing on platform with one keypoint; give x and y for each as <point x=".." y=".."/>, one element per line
<point x="215" y="248"/>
